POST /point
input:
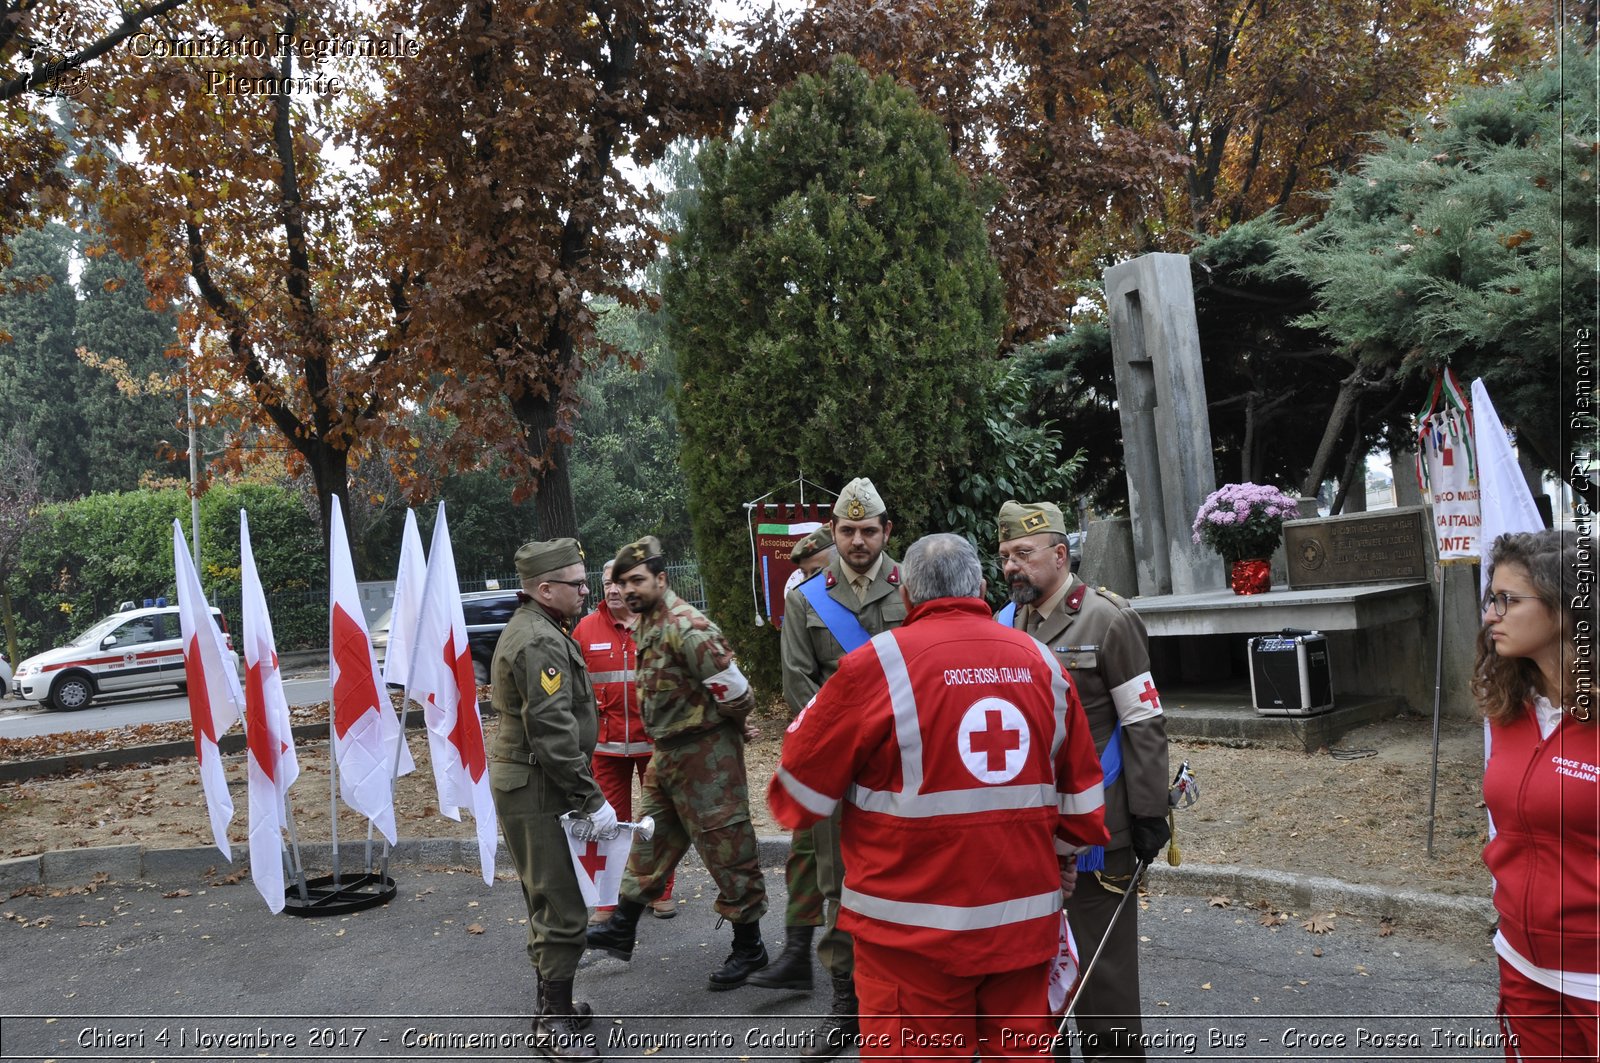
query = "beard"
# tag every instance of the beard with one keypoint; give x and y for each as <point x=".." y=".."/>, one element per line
<point x="1023" y="592"/>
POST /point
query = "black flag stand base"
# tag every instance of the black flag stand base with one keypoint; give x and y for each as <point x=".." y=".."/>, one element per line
<point x="349" y="893"/>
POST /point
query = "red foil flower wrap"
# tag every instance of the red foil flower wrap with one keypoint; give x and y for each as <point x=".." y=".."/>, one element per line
<point x="1253" y="576"/>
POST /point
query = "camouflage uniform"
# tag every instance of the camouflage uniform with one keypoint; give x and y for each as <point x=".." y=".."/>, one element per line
<point x="810" y="656"/>
<point x="539" y="769"/>
<point x="695" y="786"/>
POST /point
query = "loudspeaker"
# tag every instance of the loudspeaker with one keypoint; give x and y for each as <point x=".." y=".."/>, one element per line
<point x="1289" y="674"/>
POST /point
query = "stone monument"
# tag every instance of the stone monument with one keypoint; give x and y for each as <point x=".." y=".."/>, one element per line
<point x="1166" y="427"/>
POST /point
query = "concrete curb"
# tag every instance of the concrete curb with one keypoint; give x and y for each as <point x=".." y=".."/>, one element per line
<point x="1414" y="909"/>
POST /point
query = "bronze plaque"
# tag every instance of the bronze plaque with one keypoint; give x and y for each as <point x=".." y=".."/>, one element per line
<point x="1390" y="546"/>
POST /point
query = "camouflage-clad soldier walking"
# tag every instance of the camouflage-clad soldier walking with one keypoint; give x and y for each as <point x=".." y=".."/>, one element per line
<point x="694" y="701"/>
<point x="539" y="769"/>
<point x="855" y="597"/>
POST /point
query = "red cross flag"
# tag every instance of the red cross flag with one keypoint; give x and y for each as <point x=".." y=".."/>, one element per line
<point x="442" y="682"/>
<point x="368" y="745"/>
<point x="407" y="605"/>
<point x="599" y="862"/>
<point x="273" y="766"/>
<point x="215" y="699"/>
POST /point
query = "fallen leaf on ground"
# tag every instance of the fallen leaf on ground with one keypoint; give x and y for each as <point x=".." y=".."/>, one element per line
<point x="1220" y="902"/>
<point x="1319" y="924"/>
<point x="474" y="928"/>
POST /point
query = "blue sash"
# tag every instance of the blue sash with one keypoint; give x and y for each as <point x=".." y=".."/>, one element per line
<point x="841" y="623"/>
<point x="1094" y="857"/>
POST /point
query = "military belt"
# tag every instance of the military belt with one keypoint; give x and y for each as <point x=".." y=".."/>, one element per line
<point x="516" y="756"/>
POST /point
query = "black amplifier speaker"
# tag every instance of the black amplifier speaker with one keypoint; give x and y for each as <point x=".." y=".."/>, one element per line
<point x="1289" y="674"/>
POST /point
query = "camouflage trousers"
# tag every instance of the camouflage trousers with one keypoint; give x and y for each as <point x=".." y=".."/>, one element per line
<point x="698" y="795"/>
<point x="800" y="880"/>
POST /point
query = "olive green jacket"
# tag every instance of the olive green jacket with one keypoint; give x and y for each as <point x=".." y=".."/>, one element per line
<point x="810" y="652"/>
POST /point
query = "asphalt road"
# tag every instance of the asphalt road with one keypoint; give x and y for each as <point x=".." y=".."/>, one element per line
<point x="151" y="972"/>
<point x="24" y="719"/>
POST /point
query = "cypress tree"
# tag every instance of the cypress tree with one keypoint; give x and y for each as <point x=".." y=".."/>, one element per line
<point x="834" y="310"/>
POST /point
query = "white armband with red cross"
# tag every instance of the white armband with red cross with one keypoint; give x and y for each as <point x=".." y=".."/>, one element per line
<point x="1136" y="699"/>
<point x="728" y="684"/>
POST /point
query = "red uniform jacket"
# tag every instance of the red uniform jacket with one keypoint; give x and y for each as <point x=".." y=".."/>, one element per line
<point x="1544" y="798"/>
<point x="610" y="654"/>
<point x="966" y="767"/>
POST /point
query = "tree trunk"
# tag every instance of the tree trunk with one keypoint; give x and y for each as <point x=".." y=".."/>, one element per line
<point x="10" y="622"/>
<point x="1349" y="394"/>
<point x="557" y="516"/>
<point x="330" y="474"/>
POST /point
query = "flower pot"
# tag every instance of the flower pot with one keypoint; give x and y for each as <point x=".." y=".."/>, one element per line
<point x="1250" y="575"/>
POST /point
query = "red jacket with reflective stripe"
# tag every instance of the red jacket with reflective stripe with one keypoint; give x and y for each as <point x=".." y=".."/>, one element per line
<point x="1544" y="798"/>
<point x="610" y="654"/>
<point x="962" y="755"/>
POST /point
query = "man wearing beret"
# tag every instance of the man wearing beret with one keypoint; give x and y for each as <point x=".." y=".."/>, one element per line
<point x="854" y="598"/>
<point x="1103" y="644"/>
<point x="693" y="700"/>
<point x="539" y="769"/>
<point x="810" y="556"/>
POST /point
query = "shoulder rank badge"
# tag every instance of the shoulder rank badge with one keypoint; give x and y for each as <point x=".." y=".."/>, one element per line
<point x="550" y="680"/>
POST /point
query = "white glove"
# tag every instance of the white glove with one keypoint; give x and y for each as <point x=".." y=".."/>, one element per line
<point x="604" y="820"/>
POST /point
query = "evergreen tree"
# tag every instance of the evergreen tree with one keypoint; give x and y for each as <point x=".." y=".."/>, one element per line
<point x="41" y="379"/>
<point x="127" y="416"/>
<point x="834" y="310"/>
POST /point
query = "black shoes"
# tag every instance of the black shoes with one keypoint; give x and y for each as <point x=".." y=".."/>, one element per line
<point x="841" y="1026"/>
<point x="748" y="956"/>
<point x="793" y="967"/>
<point x="615" y="936"/>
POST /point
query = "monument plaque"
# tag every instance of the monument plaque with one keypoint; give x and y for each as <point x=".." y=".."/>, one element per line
<point x="1389" y="546"/>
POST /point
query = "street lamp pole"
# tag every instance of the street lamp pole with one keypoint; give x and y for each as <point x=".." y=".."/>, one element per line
<point x="194" y="463"/>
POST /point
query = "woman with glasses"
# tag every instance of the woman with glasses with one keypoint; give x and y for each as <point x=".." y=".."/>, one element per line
<point x="1535" y="682"/>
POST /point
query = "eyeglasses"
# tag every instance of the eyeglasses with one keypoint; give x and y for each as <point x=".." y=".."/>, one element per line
<point x="568" y="582"/>
<point x="1502" y="601"/>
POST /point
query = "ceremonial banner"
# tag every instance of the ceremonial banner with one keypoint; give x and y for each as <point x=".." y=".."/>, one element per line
<point x="273" y="766"/>
<point x="599" y="862"/>
<point x="777" y="528"/>
<point x="1507" y="504"/>
<point x="407" y="605"/>
<point x="1447" y="469"/>
<point x="215" y="700"/>
<point x="442" y="682"/>
<point x="1063" y="967"/>
<point x="366" y="732"/>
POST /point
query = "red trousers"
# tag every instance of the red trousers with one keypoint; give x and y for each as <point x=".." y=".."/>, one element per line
<point x="1540" y="1023"/>
<point x="615" y="774"/>
<point x="912" y="1010"/>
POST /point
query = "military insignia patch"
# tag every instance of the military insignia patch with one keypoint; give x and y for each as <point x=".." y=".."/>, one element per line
<point x="893" y="578"/>
<point x="551" y="680"/>
<point x="855" y="510"/>
<point x="1032" y="522"/>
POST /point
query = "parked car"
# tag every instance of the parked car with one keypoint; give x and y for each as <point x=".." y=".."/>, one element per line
<point x="5" y="676"/>
<point x="486" y="614"/>
<point x="130" y="650"/>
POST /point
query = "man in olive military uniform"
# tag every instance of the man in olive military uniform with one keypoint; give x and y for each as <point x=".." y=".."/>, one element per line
<point x="693" y="700"/>
<point x="539" y="770"/>
<point x="1103" y="644"/>
<point x="855" y="597"/>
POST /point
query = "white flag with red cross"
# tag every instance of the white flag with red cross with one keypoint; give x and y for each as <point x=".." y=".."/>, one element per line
<point x="215" y="700"/>
<point x="1063" y="974"/>
<point x="599" y="862"/>
<point x="367" y="741"/>
<point x="442" y="682"/>
<point x="273" y="766"/>
<point x="408" y="582"/>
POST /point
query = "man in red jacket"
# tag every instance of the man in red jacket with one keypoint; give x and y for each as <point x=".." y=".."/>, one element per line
<point x="623" y="749"/>
<point x="971" y="778"/>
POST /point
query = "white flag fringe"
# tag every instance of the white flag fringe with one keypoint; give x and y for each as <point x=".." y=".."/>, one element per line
<point x="408" y="582"/>
<point x="215" y="700"/>
<point x="599" y="862"/>
<point x="442" y="682"/>
<point x="273" y="765"/>
<point x="1506" y="504"/>
<point x="365" y="727"/>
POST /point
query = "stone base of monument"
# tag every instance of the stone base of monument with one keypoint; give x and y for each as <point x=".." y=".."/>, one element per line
<point x="1227" y="715"/>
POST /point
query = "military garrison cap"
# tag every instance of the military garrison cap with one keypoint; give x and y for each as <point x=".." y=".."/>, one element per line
<point x="813" y="544"/>
<point x="1029" y="518"/>
<point x="858" y="501"/>
<point x="537" y="558"/>
<point x="635" y="553"/>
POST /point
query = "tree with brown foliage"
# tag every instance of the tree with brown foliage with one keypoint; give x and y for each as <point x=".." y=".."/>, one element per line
<point x="510" y="148"/>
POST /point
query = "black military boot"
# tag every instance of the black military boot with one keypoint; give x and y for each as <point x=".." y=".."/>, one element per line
<point x="581" y="1010"/>
<point x="748" y="956"/>
<point x="793" y="967"/>
<point x="841" y="1026"/>
<point x="614" y="937"/>
<point x="557" y="1031"/>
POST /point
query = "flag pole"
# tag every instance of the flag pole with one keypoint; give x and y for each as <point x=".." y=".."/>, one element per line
<point x="1438" y="697"/>
<point x="297" y="865"/>
<point x="333" y="789"/>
